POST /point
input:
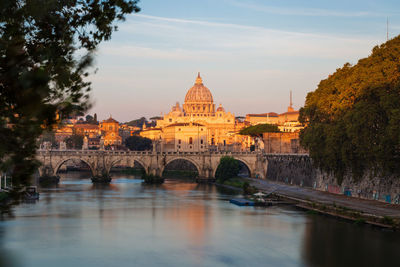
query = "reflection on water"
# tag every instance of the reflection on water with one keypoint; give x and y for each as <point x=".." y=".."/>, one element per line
<point x="178" y="223"/>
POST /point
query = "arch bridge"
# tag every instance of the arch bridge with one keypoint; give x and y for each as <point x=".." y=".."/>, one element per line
<point x="100" y="162"/>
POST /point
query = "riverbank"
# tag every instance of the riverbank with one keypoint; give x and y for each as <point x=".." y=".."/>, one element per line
<point x="349" y="208"/>
<point x="3" y="197"/>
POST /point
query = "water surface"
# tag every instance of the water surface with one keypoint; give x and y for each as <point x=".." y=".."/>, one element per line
<point x="179" y="223"/>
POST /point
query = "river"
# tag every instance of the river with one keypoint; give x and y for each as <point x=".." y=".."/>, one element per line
<point x="179" y="223"/>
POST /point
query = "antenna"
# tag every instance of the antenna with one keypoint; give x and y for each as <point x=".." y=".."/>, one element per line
<point x="387" y="28"/>
<point x="291" y="103"/>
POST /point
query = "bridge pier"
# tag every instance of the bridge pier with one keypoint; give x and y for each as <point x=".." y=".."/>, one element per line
<point x="101" y="175"/>
<point x="47" y="175"/>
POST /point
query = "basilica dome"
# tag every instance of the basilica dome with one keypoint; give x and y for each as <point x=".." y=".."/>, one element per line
<point x="199" y="100"/>
<point x="199" y="93"/>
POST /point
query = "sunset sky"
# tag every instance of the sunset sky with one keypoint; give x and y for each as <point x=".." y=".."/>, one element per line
<point x="250" y="53"/>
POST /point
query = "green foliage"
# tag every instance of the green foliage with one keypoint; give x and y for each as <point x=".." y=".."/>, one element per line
<point x="138" y="143"/>
<point x="3" y="196"/>
<point x="353" y="117"/>
<point x="235" y="182"/>
<point x="74" y="142"/>
<point x="228" y="168"/>
<point x="46" y="48"/>
<point x="249" y="189"/>
<point x="138" y="122"/>
<point x="259" y="129"/>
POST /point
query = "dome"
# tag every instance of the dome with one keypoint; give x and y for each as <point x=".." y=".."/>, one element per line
<point x="220" y="108"/>
<point x="199" y="93"/>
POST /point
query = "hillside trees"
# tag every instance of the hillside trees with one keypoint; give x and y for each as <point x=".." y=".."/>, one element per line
<point x="353" y="117"/>
<point x="259" y="129"/>
<point x="46" y="50"/>
<point x="138" y="143"/>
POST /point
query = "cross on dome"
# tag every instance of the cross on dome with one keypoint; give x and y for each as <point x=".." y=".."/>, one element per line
<point x="199" y="80"/>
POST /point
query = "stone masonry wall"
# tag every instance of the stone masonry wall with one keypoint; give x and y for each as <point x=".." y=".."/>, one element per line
<point x="292" y="169"/>
<point x="299" y="170"/>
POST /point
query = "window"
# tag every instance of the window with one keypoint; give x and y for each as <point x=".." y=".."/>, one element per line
<point x="201" y="141"/>
<point x="190" y="141"/>
<point x="179" y="141"/>
<point x="201" y="129"/>
<point x="170" y="120"/>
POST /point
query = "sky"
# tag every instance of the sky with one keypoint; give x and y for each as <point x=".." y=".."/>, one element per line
<point x="250" y="53"/>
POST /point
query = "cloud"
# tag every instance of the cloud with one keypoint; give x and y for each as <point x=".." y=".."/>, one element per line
<point x="184" y="39"/>
<point x="296" y="11"/>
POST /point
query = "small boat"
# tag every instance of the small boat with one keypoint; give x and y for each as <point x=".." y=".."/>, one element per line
<point x="241" y="202"/>
<point x="31" y="193"/>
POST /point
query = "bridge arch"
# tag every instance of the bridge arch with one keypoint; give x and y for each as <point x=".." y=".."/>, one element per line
<point x="244" y="162"/>
<point x="168" y="161"/>
<point x="141" y="163"/>
<point x="61" y="162"/>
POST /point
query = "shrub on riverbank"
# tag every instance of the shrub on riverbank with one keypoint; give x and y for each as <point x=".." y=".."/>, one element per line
<point x="249" y="189"/>
<point x="228" y="168"/>
<point x="235" y="182"/>
<point x="3" y="197"/>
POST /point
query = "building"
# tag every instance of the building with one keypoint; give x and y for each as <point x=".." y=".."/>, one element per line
<point x="110" y="132"/>
<point x="85" y="129"/>
<point x="63" y="133"/>
<point x="283" y="143"/>
<point x="197" y="125"/>
<point x="184" y="137"/>
<point x="286" y="122"/>
<point x="125" y="131"/>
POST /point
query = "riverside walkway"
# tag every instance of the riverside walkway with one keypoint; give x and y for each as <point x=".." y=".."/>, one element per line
<point x="365" y="206"/>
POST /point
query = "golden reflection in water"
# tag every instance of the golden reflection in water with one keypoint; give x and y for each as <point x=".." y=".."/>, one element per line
<point x="190" y="220"/>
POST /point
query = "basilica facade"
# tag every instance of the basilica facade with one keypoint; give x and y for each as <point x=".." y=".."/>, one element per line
<point x="198" y="125"/>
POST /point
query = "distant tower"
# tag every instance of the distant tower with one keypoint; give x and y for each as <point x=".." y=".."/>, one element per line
<point x="387" y="28"/>
<point x="290" y="108"/>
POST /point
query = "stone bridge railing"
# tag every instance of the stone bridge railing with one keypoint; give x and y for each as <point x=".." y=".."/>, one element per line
<point x="101" y="161"/>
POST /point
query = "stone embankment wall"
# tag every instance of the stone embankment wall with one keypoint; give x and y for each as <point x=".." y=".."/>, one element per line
<point x="291" y="169"/>
<point x="370" y="186"/>
<point x="299" y="170"/>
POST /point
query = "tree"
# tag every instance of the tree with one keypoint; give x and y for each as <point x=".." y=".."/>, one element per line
<point x="353" y="118"/>
<point x="46" y="49"/>
<point x="138" y="122"/>
<point x="89" y="118"/>
<point x="138" y="143"/>
<point x="259" y="129"/>
<point x="228" y="168"/>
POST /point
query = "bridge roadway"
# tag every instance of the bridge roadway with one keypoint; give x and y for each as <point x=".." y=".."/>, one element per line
<point x="100" y="162"/>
